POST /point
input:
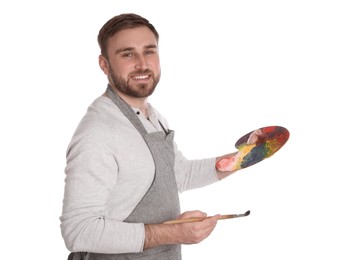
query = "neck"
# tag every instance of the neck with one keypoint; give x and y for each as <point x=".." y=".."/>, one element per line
<point x="140" y="103"/>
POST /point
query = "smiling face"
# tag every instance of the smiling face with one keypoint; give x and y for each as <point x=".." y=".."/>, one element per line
<point x="133" y="64"/>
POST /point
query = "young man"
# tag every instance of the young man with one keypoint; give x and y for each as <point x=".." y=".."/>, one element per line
<point x="124" y="170"/>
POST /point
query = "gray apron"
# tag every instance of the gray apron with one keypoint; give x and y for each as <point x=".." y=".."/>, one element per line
<point x="161" y="202"/>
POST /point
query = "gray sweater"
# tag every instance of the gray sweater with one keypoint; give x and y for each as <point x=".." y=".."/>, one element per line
<point x="109" y="169"/>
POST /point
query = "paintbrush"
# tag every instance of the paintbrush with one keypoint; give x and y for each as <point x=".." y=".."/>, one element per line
<point x="186" y="220"/>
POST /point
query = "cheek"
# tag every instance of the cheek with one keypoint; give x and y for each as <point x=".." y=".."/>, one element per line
<point x="122" y="69"/>
<point x="156" y="65"/>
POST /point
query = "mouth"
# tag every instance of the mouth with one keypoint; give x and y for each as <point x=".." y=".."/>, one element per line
<point x="141" y="77"/>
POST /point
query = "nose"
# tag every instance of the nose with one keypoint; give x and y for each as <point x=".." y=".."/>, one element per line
<point x="141" y="62"/>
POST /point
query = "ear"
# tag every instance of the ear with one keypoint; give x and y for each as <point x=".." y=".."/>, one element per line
<point x="103" y="63"/>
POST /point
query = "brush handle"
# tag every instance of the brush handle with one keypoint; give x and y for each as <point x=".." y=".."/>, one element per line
<point x="187" y="220"/>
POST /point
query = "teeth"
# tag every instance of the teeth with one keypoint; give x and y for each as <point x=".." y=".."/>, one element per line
<point x="141" y="77"/>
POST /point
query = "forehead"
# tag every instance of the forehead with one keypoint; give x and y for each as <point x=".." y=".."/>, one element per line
<point x="135" y="38"/>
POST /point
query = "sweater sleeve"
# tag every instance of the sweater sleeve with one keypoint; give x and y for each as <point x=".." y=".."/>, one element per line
<point x="192" y="174"/>
<point x="91" y="174"/>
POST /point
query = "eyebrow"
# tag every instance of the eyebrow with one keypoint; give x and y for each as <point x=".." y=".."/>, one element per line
<point x="149" y="46"/>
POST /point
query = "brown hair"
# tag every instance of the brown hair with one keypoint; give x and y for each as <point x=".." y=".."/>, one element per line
<point x="118" y="23"/>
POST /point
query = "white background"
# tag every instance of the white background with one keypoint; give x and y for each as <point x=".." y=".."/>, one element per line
<point x="228" y="67"/>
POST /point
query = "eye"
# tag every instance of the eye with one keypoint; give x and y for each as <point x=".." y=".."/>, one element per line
<point x="128" y="54"/>
<point x="149" y="52"/>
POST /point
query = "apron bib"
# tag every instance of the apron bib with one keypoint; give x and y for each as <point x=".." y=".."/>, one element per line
<point x="161" y="201"/>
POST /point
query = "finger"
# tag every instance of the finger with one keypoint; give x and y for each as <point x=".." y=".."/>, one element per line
<point x="193" y="214"/>
<point x="209" y="225"/>
<point x="254" y="136"/>
<point x="207" y="222"/>
<point x="213" y="220"/>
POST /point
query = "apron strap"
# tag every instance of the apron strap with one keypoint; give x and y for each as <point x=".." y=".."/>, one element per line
<point x="127" y="110"/>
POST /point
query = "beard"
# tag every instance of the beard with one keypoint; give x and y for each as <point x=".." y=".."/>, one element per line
<point x="135" y="90"/>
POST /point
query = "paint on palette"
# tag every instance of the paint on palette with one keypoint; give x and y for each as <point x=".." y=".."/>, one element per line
<point x="255" y="147"/>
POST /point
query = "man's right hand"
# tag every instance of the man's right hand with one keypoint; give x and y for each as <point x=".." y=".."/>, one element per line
<point x="182" y="233"/>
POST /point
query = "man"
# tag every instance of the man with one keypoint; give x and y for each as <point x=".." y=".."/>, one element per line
<point x="124" y="170"/>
